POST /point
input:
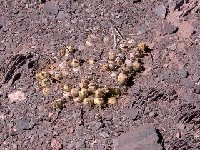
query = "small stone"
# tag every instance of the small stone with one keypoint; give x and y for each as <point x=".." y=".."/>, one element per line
<point x="50" y="7"/>
<point x="70" y="146"/>
<point x="98" y="125"/>
<point x="160" y="10"/>
<point x="176" y="4"/>
<point x="24" y="124"/>
<point x="183" y="73"/>
<point x="197" y="89"/>
<point x="1" y="93"/>
<point x="55" y="145"/>
<point x="45" y="21"/>
<point x="15" y="11"/>
<point x="132" y="113"/>
<point x="169" y="29"/>
<point x="178" y="135"/>
<point x="15" y="147"/>
<point x="180" y="126"/>
<point x="186" y="82"/>
<point x="142" y="138"/>
<point x="104" y="134"/>
<point x="16" y="96"/>
<point x="172" y="46"/>
<point x="60" y="15"/>
<point x="186" y="29"/>
<point x="13" y="133"/>
<point x="88" y="43"/>
<point x="80" y="145"/>
<point x="128" y="62"/>
<point x="152" y="114"/>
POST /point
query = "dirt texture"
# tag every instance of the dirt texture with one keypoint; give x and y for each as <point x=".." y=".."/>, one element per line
<point x="159" y="106"/>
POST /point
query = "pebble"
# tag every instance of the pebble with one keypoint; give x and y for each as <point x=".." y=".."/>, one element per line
<point x="160" y="10"/>
<point x="186" y="82"/>
<point x="197" y="89"/>
<point x="183" y="73"/>
<point x="3" y="136"/>
<point x="172" y="46"/>
<point x="24" y="124"/>
<point x="1" y="93"/>
<point x="143" y="137"/>
<point x="169" y="29"/>
<point x="104" y="134"/>
<point x="50" y="7"/>
<point x="15" y="147"/>
<point x="17" y="96"/>
<point x="70" y="146"/>
<point x="45" y="21"/>
<point x="178" y="135"/>
<point x="180" y="126"/>
<point x="12" y="133"/>
<point x="80" y="145"/>
<point x="61" y="15"/>
<point x="175" y="4"/>
<point x="132" y="113"/>
<point x="152" y="114"/>
<point x="55" y="144"/>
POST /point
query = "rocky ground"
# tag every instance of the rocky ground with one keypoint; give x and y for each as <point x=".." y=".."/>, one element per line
<point x="159" y="109"/>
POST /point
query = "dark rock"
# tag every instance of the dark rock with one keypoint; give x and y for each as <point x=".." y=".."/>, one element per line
<point x="80" y="145"/>
<point x="24" y="124"/>
<point x="187" y="83"/>
<point x="145" y="137"/>
<point x="169" y="29"/>
<point x="51" y="8"/>
<point x="161" y="11"/>
<point x="132" y="113"/>
<point x="60" y="15"/>
<point x="183" y="73"/>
